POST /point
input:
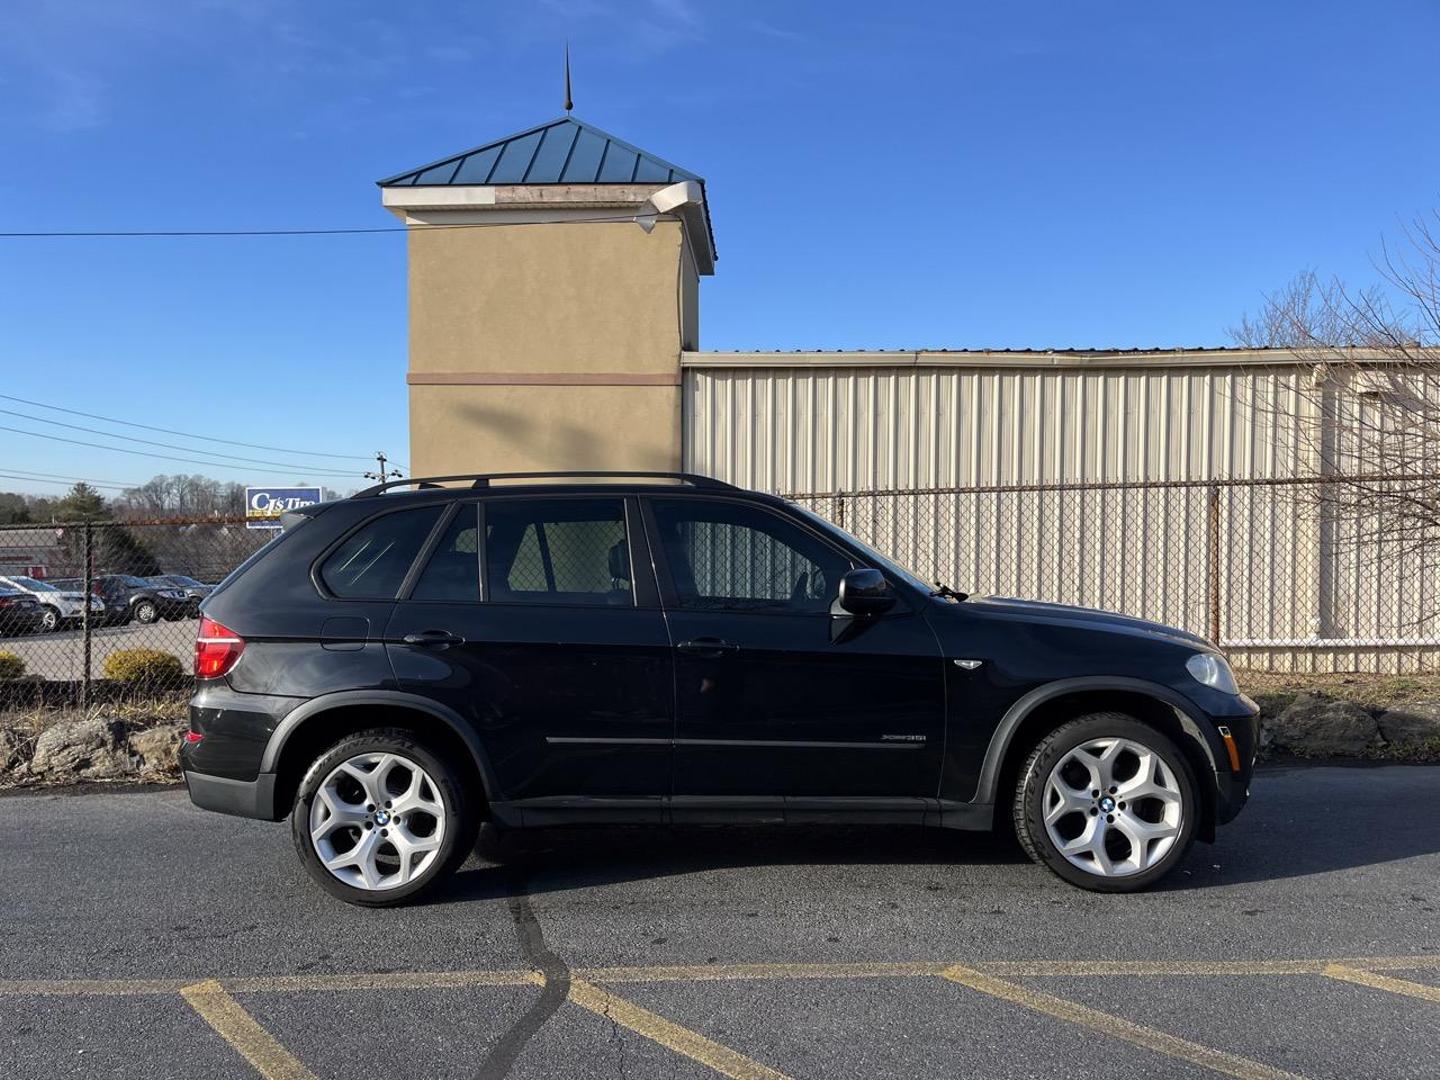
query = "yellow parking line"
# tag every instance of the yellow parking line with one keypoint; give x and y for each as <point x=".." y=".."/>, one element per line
<point x="670" y="1035"/>
<point x="441" y="980"/>
<point x="1015" y="969"/>
<point x="241" y="1030"/>
<point x="90" y="987"/>
<point x="726" y="972"/>
<point x="1116" y="1027"/>
<point x="388" y="980"/>
<point x="1383" y="982"/>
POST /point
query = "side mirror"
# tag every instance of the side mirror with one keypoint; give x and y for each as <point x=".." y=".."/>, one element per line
<point x="866" y="592"/>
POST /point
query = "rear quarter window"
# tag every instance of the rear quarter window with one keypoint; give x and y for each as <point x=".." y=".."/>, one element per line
<point x="371" y="563"/>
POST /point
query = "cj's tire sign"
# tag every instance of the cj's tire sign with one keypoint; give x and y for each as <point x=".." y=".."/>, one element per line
<point x="264" y="505"/>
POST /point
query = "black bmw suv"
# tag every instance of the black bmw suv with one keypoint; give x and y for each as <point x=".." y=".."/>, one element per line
<point x="398" y="666"/>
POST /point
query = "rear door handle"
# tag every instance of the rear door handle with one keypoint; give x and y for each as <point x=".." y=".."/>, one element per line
<point x="708" y="647"/>
<point x="434" y="637"/>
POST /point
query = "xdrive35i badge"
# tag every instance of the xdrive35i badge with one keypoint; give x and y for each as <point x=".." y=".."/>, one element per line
<point x="902" y="738"/>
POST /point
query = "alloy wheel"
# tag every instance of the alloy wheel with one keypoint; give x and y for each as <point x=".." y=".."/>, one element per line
<point x="377" y="821"/>
<point x="1113" y="807"/>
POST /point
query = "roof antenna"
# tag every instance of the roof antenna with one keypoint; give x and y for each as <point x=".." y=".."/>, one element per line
<point x="568" y="103"/>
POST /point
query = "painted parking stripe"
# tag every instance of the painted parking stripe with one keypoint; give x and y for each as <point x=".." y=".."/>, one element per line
<point x="1107" y="1024"/>
<point x="668" y="1034"/>
<point x="460" y="979"/>
<point x="386" y="980"/>
<point x="1383" y="982"/>
<point x="243" y="1032"/>
<point x="741" y="972"/>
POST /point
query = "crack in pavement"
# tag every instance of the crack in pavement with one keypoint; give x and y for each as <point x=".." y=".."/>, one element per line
<point x="503" y="1055"/>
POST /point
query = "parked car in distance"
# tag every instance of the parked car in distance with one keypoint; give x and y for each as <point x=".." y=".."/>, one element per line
<point x="195" y="591"/>
<point x="127" y="597"/>
<point x="665" y="648"/>
<point x="147" y="602"/>
<point x="59" y="607"/>
<point x="20" y="613"/>
<point x="117" y="609"/>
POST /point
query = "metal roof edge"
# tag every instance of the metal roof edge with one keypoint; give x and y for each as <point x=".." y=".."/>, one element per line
<point x="1217" y="356"/>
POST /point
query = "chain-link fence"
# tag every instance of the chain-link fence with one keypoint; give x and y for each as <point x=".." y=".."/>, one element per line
<point x="104" y="612"/>
<point x="1266" y="568"/>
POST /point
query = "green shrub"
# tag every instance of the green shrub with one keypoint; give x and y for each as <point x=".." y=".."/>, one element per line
<point x="11" y="666"/>
<point x="149" y="667"/>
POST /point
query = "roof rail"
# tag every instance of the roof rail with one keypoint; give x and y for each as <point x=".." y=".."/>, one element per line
<point x="482" y="480"/>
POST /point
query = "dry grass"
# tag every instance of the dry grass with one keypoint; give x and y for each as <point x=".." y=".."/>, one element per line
<point x="1377" y="692"/>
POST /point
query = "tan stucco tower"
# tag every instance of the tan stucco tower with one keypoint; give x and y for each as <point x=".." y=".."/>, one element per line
<point x="554" y="283"/>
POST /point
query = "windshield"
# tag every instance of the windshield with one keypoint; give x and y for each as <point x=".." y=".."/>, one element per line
<point x="177" y="579"/>
<point x="133" y="581"/>
<point x="32" y="583"/>
<point x="888" y="565"/>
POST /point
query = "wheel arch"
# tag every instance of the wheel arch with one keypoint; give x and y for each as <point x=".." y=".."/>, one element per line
<point x="322" y="721"/>
<point x="1045" y="708"/>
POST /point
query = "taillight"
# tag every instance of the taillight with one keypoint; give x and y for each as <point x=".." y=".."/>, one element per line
<point x="217" y="647"/>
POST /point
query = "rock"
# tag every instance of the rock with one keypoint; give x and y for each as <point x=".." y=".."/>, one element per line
<point x="90" y="749"/>
<point x="11" y="745"/>
<point x="158" y="747"/>
<point x="1413" y="722"/>
<point x="1319" y="727"/>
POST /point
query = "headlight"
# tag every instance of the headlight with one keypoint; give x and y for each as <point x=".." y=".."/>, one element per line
<point x="1212" y="670"/>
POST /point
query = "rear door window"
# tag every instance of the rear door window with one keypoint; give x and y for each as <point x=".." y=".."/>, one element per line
<point x="372" y="562"/>
<point x="558" y="551"/>
<point x="453" y="570"/>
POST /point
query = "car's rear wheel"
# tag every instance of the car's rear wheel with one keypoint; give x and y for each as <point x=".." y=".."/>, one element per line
<point x="51" y="620"/>
<point x="380" y="819"/>
<point x="1107" y="803"/>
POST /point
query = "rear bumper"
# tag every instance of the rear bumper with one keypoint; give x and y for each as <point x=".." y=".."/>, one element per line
<point x="242" y="798"/>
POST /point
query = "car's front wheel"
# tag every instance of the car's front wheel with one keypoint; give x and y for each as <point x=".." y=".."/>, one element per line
<point x="1106" y="802"/>
<point x="51" y="620"/>
<point x="146" y="612"/>
<point x="380" y="818"/>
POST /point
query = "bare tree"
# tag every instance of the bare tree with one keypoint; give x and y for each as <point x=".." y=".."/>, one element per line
<point x="1366" y="416"/>
<point x="1362" y="419"/>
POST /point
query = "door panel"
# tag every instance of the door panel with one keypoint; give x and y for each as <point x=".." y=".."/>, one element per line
<point x="568" y="683"/>
<point x="775" y="695"/>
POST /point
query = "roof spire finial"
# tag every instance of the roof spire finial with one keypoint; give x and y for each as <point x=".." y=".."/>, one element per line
<point x="568" y="103"/>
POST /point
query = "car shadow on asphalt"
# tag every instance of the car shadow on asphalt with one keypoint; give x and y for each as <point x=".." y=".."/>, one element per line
<point x="558" y="859"/>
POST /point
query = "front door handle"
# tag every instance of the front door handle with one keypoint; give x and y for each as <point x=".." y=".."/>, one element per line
<point x="434" y="637"/>
<point x="708" y="647"/>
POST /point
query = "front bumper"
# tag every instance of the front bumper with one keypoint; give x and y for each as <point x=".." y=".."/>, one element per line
<point x="1232" y="786"/>
<point x="243" y="798"/>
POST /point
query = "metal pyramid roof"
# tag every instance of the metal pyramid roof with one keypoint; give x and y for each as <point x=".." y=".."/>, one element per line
<point x="564" y="151"/>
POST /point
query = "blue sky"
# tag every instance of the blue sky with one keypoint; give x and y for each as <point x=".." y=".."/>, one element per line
<point x="881" y="176"/>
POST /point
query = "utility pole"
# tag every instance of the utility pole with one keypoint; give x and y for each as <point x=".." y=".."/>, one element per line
<point x="382" y="474"/>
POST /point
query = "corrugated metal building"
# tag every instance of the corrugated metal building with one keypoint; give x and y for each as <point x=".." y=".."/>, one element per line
<point x="1119" y="479"/>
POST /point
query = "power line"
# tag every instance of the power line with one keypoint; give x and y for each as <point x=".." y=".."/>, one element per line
<point x="65" y="476"/>
<point x="182" y="434"/>
<point x="164" y="457"/>
<point x="64" y="483"/>
<point x="417" y="227"/>
<point x="169" y="446"/>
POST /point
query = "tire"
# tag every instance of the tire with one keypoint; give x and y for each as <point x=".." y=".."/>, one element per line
<point x="368" y="766"/>
<point x="1088" y="765"/>
<point x="51" y="621"/>
<point x="146" y="612"/>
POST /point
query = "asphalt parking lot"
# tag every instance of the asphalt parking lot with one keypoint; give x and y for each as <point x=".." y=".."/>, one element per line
<point x="61" y="655"/>
<point x="144" y="938"/>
